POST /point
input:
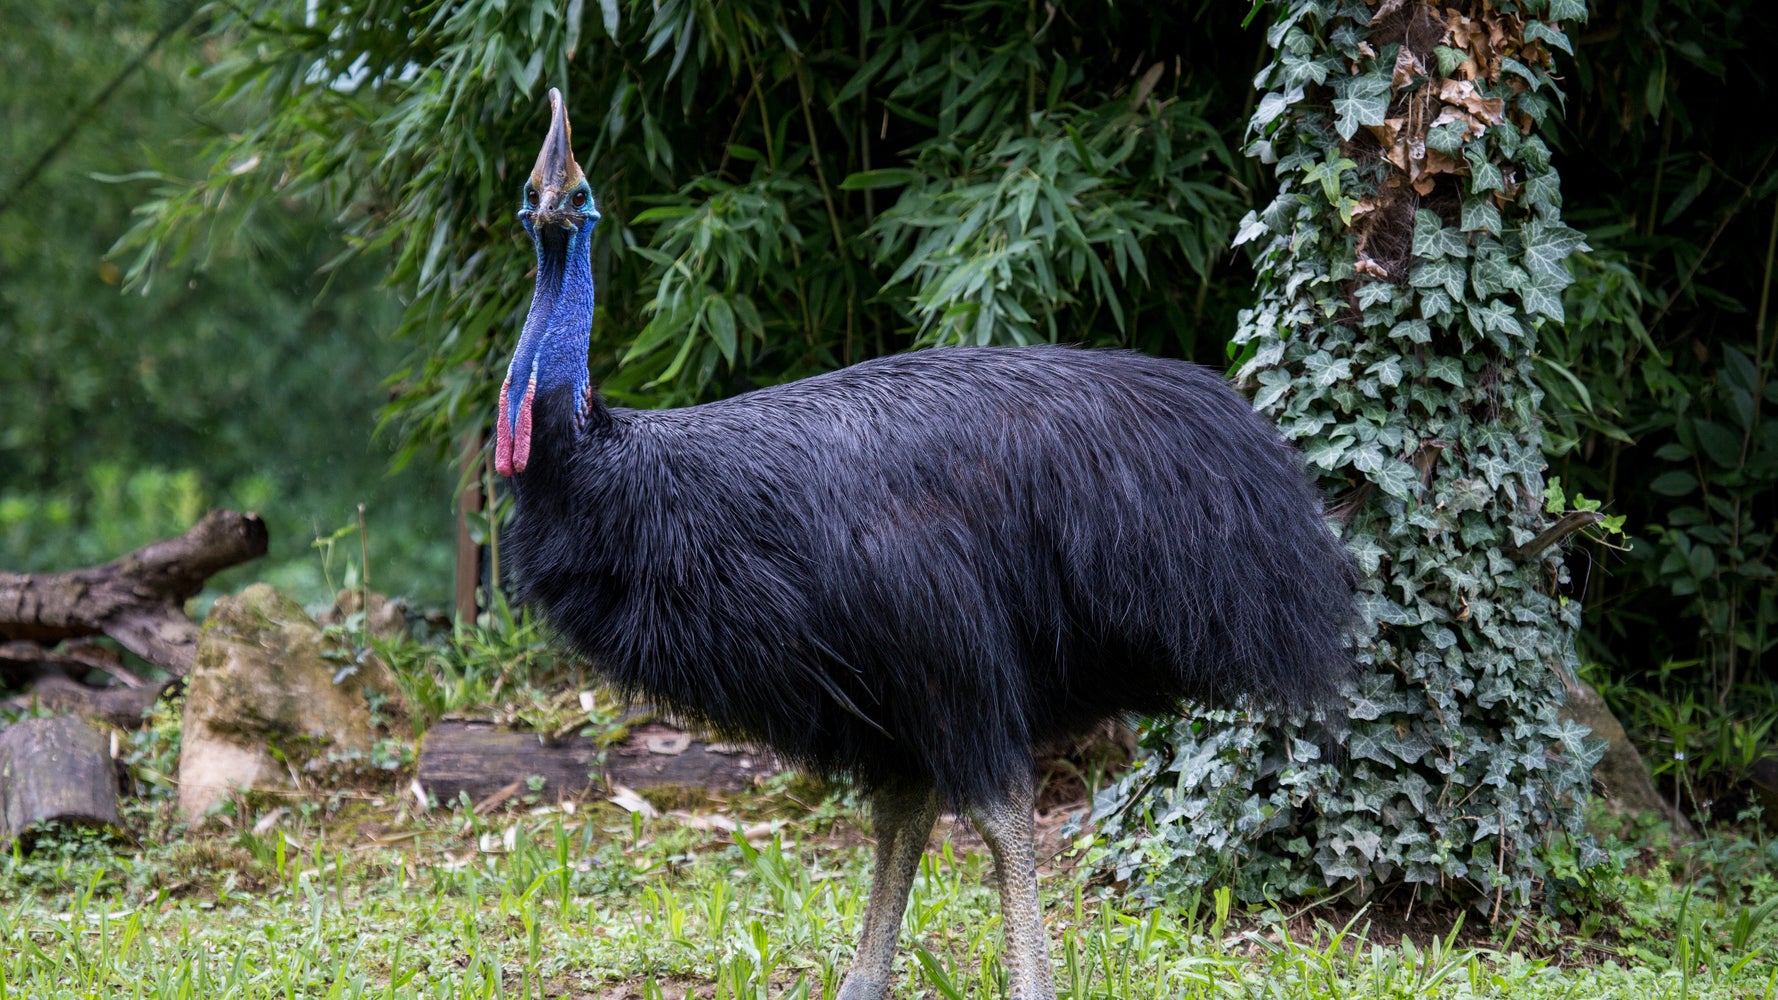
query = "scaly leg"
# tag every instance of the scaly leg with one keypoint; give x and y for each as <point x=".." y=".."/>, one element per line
<point x="1007" y="827"/>
<point x="903" y="817"/>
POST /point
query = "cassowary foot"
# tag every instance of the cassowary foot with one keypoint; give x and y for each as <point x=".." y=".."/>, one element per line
<point x="855" y="987"/>
<point x="903" y="820"/>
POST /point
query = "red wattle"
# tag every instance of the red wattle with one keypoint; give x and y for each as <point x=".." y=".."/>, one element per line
<point x="503" y="436"/>
<point x="521" y="444"/>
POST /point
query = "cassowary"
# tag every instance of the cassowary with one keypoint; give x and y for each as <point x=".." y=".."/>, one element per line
<point x="917" y="572"/>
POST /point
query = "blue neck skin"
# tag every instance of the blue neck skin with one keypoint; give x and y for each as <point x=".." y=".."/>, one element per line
<point x="553" y="346"/>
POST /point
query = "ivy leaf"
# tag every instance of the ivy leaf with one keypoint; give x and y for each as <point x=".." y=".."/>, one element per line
<point x="1498" y="316"/>
<point x="1326" y="369"/>
<point x="1251" y="227"/>
<point x="1387" y="371"/>
<point x="1367" y="458"/>
<point x="1467" y="494"/>
<point x="1449" y="59"/>
<point x="1397" y="478"/>
<point x="1538" y="31"/>
<point x="1440" y="273"/>
<point x="1373" y="292"/>
<point x="1573" y="737"/>
<point x="1542" y="293"/>
<point x="1273" y="385"/>
<point x="1481" y="214"/>
<point x="1524" y="72"/>
<point x="1415" y="330"/>
<point x="1302" y="67"/>
<point x="1369" y="556"/>
<point x="1446" y="138"/>
<point x="1446" y="368"/>
<point x="1434" y="303"/>
<point x="1336" y="866"/>
<point x="1409" y="748"/>
<point x="1547" y="245"/>
<point x="1360" y="100"/>
<point x="1493" y="467"/>
<point x="1326" y="452"/>
<point x="1327" y="173"/>
<point x="1543" y="192"/>
<point x="1270" y="107"/>
<point x="1568" y="10"/>
<point x="1433" y="240"/>
<point x="1484" y="175"/>
<point x="1368" y="744"/>
<point x="1493" y="274"/>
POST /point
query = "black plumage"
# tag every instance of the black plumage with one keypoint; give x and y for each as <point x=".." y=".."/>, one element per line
<point x="938" y="563"/>
<point x="918" y="571"/>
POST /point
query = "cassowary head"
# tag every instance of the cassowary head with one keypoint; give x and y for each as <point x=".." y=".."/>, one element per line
<point x="558" y="214"/>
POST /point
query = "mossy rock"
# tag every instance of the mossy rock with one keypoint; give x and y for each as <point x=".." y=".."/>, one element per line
<point x="270" y="692"/>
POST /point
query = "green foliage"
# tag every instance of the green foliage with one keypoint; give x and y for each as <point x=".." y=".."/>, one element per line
<point x="1661" y="381"/>
<point x="785" y="189"/>
<point x="1700" y="754"/>
<point x="1408" y="379"/>
<point x="504" y="668"/>
<point x="241" y="378"/>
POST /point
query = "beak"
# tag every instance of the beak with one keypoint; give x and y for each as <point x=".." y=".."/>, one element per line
<point x="557" y="176"/>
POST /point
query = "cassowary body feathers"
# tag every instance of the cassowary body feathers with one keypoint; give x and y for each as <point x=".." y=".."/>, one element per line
<point x="939" y="563"/>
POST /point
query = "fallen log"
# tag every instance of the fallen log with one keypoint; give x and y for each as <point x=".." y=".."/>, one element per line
<point x="55" y="770"/>
<point x="137" y="600"/>
<point x="481" y="760"/>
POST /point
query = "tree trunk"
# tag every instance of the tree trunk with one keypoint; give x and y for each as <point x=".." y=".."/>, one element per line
<point x="55" y="770"/>
<point x="1414" y="250"/>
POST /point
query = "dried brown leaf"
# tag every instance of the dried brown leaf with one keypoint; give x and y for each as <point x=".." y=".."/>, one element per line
<point x="1408" y="67"/>
<point x="1462" y="93"/>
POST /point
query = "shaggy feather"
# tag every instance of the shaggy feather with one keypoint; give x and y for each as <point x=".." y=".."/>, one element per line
<point x="932" y="566"/>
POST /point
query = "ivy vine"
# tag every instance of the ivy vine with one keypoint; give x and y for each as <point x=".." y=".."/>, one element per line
<point x="1414" y="249"/>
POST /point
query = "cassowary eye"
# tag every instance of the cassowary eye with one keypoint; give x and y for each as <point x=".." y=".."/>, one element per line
<point x="530" y="196"/>
<point x="580" y="199"/>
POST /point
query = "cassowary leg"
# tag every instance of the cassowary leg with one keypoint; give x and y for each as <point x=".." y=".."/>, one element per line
<point x="1007" y="827"/>
<point x="903" y="817"/>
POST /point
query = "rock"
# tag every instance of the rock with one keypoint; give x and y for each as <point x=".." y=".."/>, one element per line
<point x="265" y="703"/>
<point x="1620" y="776"/>
<point x="1762" y="788"/>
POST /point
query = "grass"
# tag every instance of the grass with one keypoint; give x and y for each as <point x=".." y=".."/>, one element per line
<point x="355" y="892"/>
<point x="598" y="903"/>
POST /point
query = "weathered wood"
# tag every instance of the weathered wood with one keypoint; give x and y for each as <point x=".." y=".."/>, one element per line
<point x="480" y="759"/>
<point x="124" y="707"/>
<point x="73" y="659"/>
<point x="138" y="599"/>
<point x="55" y="770"/>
